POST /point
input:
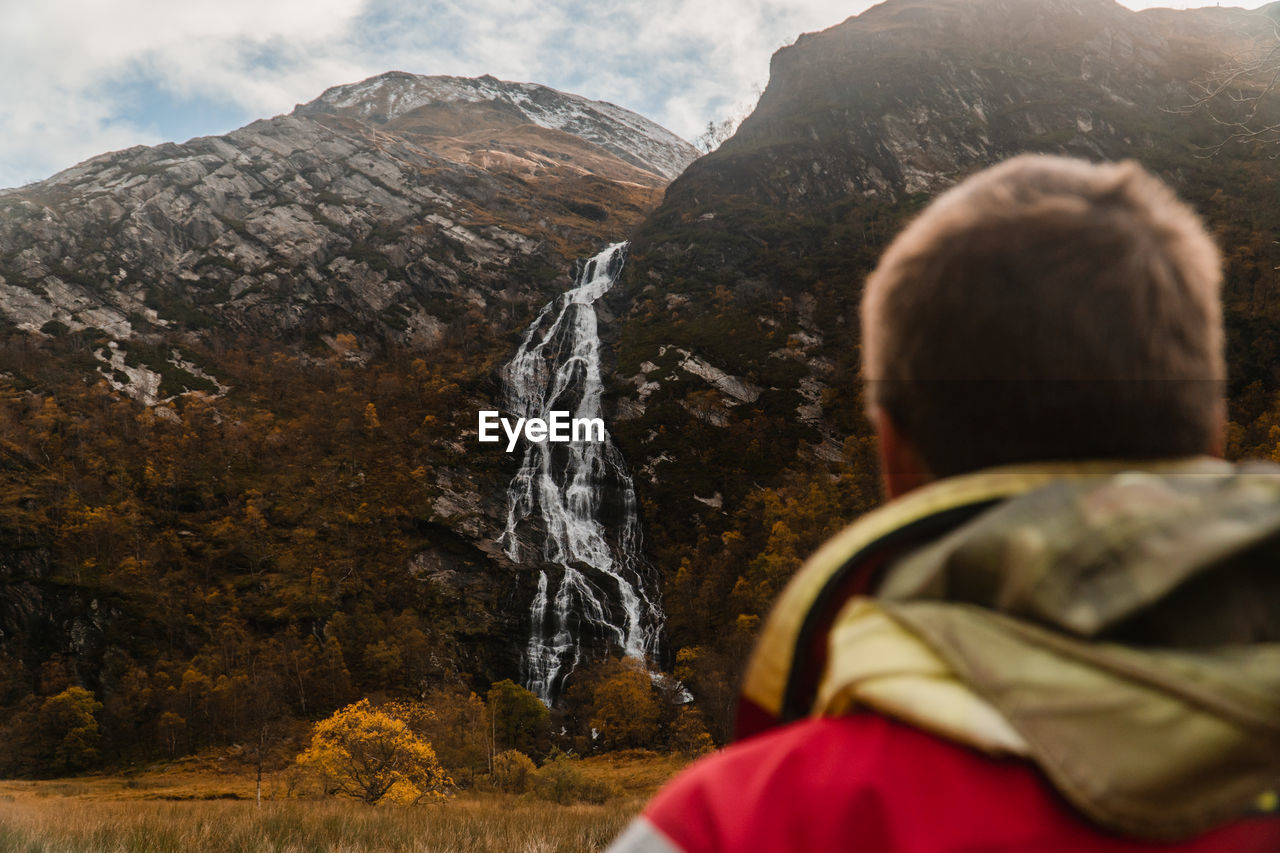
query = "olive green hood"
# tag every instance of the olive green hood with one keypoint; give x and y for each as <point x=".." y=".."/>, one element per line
<point x="1121" y="631"/>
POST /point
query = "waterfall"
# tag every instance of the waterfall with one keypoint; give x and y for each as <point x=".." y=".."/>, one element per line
<point x="571" y="508"/>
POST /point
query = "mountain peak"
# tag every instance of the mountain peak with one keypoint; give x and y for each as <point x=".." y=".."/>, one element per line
<point x="396" y="95"/>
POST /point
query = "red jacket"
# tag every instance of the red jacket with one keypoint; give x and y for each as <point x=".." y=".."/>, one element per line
<point x="866" y="783"/>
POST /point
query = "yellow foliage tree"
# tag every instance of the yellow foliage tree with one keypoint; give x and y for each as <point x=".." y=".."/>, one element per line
<point x="367" y="754"/>
<point x="626" y="711"/>
<point x="69" y="729"/>
<point x="512" y="771"/>
<point x="689" y="735"/>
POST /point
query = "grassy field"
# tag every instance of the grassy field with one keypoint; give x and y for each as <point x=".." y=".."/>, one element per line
<point x="186" y="808"/>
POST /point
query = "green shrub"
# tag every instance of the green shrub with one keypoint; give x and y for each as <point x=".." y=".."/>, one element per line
<point x="562" y="781"/>
<point x="513" y="771"/>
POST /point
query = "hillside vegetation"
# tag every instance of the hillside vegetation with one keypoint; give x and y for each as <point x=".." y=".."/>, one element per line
<point x="239" y="487"/>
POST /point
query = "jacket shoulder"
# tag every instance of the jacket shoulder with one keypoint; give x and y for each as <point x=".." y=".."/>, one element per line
<point x="819" y="784"/>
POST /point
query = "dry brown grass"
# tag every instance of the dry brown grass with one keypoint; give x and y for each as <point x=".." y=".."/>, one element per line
<point x="501" y="824"/>
<point x="191" y="806"/>
<point x="635" y="773"/>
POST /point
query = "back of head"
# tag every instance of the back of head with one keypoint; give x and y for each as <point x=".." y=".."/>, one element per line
<point x="1048" y="309"/>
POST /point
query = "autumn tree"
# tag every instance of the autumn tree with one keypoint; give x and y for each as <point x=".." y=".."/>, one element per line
<point x="519" y="719"/>
<point x="689" y="735"/>
<point x="367" y="754"/>
<point x="459" y="730"/>
<point x="58" y="735"/>
<point x="512" y="771"/>
<point x="70" y="726"/>
<point x="562" y="780"/>
<point x="707" y="671"/>
<point x="626" y="710"/>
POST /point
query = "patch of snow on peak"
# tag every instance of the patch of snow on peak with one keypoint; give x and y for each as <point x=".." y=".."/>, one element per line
<point x="627" y="135"/>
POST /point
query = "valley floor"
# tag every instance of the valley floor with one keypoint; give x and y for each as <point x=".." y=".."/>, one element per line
<point x="190" y="807"/>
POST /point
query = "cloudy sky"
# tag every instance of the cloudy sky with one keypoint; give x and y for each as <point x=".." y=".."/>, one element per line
<point x="80" y="77"/>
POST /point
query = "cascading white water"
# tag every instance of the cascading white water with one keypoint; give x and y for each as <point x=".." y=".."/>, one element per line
<point x="572" y="506"/>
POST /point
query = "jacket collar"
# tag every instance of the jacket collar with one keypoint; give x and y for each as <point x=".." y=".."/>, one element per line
<point x="780" y="679"/>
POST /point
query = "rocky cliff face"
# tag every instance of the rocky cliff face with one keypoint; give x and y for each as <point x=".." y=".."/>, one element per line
<point x="906" y="97"/>
<point x="337" y="287"/>
<point x="443" y="107"/>
<point x="313" y="308"/>
<point x="737" y="334"/>
<point x="383" y="209"/>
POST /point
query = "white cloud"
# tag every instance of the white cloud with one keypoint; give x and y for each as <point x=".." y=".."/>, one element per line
<point x="65" y="65"/>
<point x="61" y="63"/>
<point x="678" y="62"/>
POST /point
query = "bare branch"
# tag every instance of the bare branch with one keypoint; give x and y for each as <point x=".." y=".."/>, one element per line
<point x="1237" y="94"/>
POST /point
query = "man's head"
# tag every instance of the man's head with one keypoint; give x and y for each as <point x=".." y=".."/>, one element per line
<point x="1045" y="309"/>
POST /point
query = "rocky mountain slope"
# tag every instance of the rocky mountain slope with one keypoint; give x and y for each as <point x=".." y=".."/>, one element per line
<point x="383" y="209"/>
<point x="441" y="107"/>
<point x="313" y="308"/>
<point x="736" y="339"/>
<point x="237" y="380"/>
